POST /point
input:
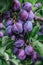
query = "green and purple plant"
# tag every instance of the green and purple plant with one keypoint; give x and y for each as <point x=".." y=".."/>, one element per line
<point x="21" y="32"/>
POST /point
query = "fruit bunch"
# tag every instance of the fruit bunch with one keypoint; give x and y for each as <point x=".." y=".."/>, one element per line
<point x="17" y="30"/>
<point x="19" y="26"/>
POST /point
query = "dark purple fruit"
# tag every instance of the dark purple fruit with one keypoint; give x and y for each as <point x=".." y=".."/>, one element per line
<point x="19" y="43"/>
<point x="28" y="26"/>
<point x="27" y="6"/>
<point x="23" y="15"/>
<point x="30" y="15"/>
<point x="21" y="54"/>
<point x="9" y="30"/>
<point x="16" y="5"/>
<point x="1" y="34"/>
<point x="9" y="22"/>
<point x="29" y="50"/>
<point x="17" y="28"/>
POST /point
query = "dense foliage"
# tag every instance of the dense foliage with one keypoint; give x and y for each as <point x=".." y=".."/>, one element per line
<point x="21" y="32"/>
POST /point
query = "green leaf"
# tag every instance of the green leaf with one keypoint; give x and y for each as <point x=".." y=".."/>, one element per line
<point x="20" y="1"/>
<point x="5" y="40"/>
<point x="3" y="54"/>
<point x="5" y="5"/>
<point x="27" y="36"/>
<point x="40" y="38"/>
<point x="5" y="63"/>
<point x="38" y="63"/>
<point x="6" y="56"/>
<point x="0" y="62"/>
<point x="26" y="62"/>
<point x="33" y="2"/>
<point x="0" y="42"/>
<point x="14" y="60"/>
<point x="34" y="31"/>
<point x="38" y="46"/>
<point x="9" y="51"/>
<point x="2" y="49"/>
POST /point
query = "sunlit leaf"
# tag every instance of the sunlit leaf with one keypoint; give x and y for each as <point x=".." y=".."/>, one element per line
<point x="38" y="46"/>
<point x="34" y="31"/>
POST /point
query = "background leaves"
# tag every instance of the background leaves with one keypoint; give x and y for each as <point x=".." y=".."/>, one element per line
<point x="5" y="5"/>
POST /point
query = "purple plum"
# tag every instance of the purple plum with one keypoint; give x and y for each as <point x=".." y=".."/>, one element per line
<point x="9" y="30"/>
<point x="13" y="37"/>
<point x="37" y="4"/>
<point x="27" y="6"/>
<point x="30" y="15"/>
<point x="34" y="57"/>
<point x="28" y="26"/>
<point x="21" y="54"/>
<point x="1" y="25"/>
<point x="23" y="15"/>
<point x="1" y="34"/>
<point x="17" y="27"/>
<point x="29" y="50"/>
<point x="16" y="5"/>
<point x="9" y="22"/>
<point x="19" y="43"/>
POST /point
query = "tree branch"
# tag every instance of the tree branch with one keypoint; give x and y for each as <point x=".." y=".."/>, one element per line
<point x="36" y="18"/>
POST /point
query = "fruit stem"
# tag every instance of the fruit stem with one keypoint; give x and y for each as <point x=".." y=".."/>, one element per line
<point x="36" y="18"/>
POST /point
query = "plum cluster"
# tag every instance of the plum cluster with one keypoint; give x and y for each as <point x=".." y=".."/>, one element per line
<point x="26" y="52"/>
<point x="23" y="23"/>
<point x="17" y="30"/>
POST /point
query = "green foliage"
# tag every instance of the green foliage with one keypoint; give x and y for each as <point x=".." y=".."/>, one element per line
<point x="40" y="38"/>
<point x="7" y="42"/>
<point x="38" y="63"/>
<point x="26" y="62"/>
<point x="38" y="46"/>
<point x="5" y="5"/>
<point x="6" y="52"/>
<point x="14" y="60"/>
<point x="34" y="31"/>
<point x="40" y="1"/>
<point x="33" y="2"/>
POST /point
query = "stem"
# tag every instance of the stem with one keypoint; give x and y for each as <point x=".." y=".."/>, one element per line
<point x="37" y="11"/>
<point x="36" y="18"/>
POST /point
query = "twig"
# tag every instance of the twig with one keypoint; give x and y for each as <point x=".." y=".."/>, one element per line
<point x="36" y="18"/>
